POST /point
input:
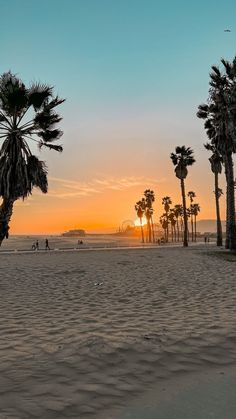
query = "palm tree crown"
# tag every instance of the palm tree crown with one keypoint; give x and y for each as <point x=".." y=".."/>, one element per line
<point x="20" y="171"/>
<point x="216" y="159"/>
<point x="150" y="197"/>
<point x="182" y="158"/>
<point x="191" y="195"/>
<point x="220" y="116"/>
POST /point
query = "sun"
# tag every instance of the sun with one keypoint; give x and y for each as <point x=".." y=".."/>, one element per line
<point x="137" y="222"/>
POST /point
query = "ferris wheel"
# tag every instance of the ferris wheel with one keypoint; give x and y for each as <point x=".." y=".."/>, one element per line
<point x="127" y="224"/>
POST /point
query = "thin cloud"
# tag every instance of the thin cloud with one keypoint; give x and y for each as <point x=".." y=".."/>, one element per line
<point x="64" y="188"/>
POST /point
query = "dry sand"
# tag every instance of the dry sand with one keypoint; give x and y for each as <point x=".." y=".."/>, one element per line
<point x="71" y="348"/>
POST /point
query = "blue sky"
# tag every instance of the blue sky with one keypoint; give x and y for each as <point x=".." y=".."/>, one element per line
<point x="133" y="73"/>
<point x="122" y="50"/>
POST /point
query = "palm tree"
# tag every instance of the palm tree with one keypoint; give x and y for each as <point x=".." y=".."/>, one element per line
<point x="166" y="202"/>
<point x="149" y="199"/>
<point x="195" y="212"/>
<point x="25" y="114"/>
<point x="181" y="159"/>
<point x="188" y="211"/>
<point x="216" y="168"/>
<point x="148" y="215"/>
<point x="164" y="224"/>
<point x="140" y="209"/>
<point x="173" y="221"/>
<point x="191" y="196"/>
<point x="178" y="211"/>
<point x="220" y="116"/>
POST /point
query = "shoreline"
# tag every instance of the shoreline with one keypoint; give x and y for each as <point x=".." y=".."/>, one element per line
<point x="110" y="247"/>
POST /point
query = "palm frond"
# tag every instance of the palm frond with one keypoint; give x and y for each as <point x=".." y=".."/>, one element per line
<point x="208" y="146"/>
<point x="228" y="68"/>
<point x="174" y="158"/>
<point x="50" y="135"/>
<point x="58" y="148"/>
<point x="13" y="95"/>
<point x="46" y="119"/>
<point x="38" y="95"/>
<point x="37" y="173"/>
<point x="202" y="114"/>
<point x="54" y="102"/>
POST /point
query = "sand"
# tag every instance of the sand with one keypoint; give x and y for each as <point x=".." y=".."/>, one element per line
<point x="90" y="334"/>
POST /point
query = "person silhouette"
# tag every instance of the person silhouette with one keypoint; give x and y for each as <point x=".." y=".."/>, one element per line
<point x="37" y="245"/>
<point x="47" y="245"/>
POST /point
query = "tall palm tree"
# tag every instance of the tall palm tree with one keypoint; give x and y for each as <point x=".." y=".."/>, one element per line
<point x="164" y="224"/>
<point x="140" y="209"/>
<point x="173" y="221"/>
<point x="191" y="196"/>
<point x="166" y="202"/>
<point x="25" y="114"/>
<point x="148" y="215"/>
<point x="220" y="123"/>
<point x="216" y="168"/>
<point x="149" y="199"/>
<point x="181" y="159"/>
<point x="178" y="211"/>
<point x="195" y="211"/>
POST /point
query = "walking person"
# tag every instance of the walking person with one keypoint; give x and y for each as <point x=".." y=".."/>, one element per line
<point x="47" y="245"/>
<point x="37" y="245"/>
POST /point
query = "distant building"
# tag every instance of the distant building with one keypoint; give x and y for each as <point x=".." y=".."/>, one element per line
<point x="74" y="233"/>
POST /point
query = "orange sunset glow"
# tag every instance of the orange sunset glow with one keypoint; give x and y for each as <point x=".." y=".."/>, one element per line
<point x="101" y="205"/>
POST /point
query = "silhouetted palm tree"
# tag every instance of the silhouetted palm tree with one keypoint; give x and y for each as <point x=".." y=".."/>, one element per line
<point x="140" y="209"/>
<point x="173" y="221"/>
<point x="148" y="215"/>
<point x="191" y="196"/>
<point x="182" y="158"/>
<point x="164" y="224"/>
<point x="25" y="114"/>
<point x="178" y="210"/>
<point x="216" y="168"/>
<point x="220" y="124"/>
<point x="166" y="202"/>
<point x="149" y="199"/>
<point x="195" y="212"/>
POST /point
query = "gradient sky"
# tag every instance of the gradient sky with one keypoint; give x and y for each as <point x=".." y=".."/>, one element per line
<point x="133" y="73"/>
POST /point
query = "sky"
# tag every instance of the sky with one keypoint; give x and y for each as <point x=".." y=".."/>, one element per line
<point x="133" y="73"/>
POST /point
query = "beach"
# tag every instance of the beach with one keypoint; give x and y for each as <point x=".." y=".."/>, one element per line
<point x="91" y="334"/>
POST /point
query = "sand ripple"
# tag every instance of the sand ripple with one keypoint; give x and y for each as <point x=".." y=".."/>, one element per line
<point x="73" y="349"/>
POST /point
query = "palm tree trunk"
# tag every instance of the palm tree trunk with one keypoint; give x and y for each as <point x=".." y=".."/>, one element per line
<point x="153" y="235"/>
<point x="141" y="224"/>
<point x="167" y="228"/>
<point x="175" y="232"/>
<point x="165" y="234"/>
<point x="6" y="210"/>
<point x="218" y="220"/>
<point x="231" y="202"/>
<point x="149" y="232"/>
<point x="185" y="241"/>
<point x="192" y="226"/>
<point x="227" y="204"/>
<point x="195" y="227"/>
<point x="181" y="227"/>
<point x="177" y="229"/>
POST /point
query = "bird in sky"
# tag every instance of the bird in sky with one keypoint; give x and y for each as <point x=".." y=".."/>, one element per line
<point x="227" y="30"/>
